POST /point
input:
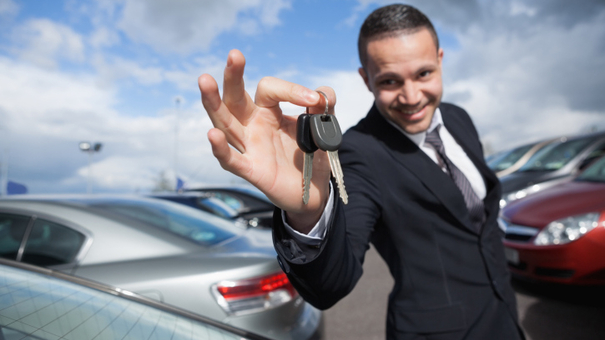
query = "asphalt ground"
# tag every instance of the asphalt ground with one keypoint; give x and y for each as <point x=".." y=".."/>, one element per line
<point x="550" y="312"/>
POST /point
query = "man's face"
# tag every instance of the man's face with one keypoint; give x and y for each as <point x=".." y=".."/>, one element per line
<point x="404" y="74"/>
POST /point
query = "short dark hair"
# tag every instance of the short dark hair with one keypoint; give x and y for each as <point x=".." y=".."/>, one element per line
<point x="390" y="21"/>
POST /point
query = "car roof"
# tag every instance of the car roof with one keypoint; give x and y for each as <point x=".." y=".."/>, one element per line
<point x="249" y="190"/>
<point x="138" y="237"/>
<point x="520" y="179"/>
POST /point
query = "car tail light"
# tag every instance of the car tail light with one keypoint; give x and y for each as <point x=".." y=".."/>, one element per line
<point x="254" y="295"/>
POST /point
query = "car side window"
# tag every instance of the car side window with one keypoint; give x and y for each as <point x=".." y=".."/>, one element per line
<point x="50" y="244"/>
<point x="12" y="229"/>
<point x="594" y="154"/>
<point x="597" y="152"/>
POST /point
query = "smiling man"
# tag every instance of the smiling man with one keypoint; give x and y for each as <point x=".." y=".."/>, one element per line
<point x="404" y="74"/>
<point x="419" y="189"/>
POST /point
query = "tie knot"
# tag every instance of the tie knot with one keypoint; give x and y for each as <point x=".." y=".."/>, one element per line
<point x="432" y="138"/>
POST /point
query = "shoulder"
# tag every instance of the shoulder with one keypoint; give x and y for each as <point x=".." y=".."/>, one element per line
<point x="367" y="134"/>
<point x="449" y="109"/>
<point x="456" y="117"/>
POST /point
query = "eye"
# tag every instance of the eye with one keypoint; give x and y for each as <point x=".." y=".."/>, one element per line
<point x="424" y="74"/>
<point x="387" y="82"/>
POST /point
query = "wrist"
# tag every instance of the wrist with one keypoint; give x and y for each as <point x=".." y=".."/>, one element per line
<point x="304" y="221"/>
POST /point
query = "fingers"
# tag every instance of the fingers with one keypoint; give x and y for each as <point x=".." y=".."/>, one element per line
<point x="235" y="96"/>
<point x="228" y="158"/>
<point x="271" y="91"/>
<point x="219" y="113"/>
<point x="320" y="107"/>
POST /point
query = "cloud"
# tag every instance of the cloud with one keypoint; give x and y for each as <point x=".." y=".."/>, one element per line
<point x="32" y="94"/>
<point x="187" y="26"/>
<point x="44" y="43"/>
<point x="8" y="7"/>
<point x="525" y="70"/>
<point x="45" y="114"/>
<point x="113" y="69"/>
<point x="103" y="37"/>
<point x="353" y="99"/>
<point x="530" y="85"/>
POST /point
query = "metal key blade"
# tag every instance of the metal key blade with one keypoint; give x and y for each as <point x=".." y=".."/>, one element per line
<point x="338" y="175"/>
<point x="307" y="174"/>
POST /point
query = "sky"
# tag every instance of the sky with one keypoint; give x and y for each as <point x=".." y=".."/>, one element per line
<point x="123" y="73"/>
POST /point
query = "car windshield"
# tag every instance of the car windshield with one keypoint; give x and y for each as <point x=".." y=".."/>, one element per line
<point x="506" y="160"/>
<point x="218" y="207"/>
<point x="555" y="156"/>
<point x="594" y="173"/>
<point x="36" y="306"/>
<point x="196" y="225"/>
<point x="243" y="200"/>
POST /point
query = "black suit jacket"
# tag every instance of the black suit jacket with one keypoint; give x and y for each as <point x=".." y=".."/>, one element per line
<point x="451" y="282"/>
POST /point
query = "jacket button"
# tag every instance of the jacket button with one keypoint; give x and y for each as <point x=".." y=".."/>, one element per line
<point x="284" y="266"/>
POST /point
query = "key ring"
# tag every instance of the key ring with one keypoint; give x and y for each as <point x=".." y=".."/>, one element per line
<point x="327" y="103"/>
<point x="326" y="97"/>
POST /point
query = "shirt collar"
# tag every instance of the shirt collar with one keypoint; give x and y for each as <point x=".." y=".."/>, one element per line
<point x="418" y="138"/>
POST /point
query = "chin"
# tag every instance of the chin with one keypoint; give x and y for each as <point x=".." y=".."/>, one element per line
<point x="414" y="129"/>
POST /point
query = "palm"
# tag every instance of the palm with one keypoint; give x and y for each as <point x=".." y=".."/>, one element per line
<point x="273" y="162"/>
<point x="263" y="141"/>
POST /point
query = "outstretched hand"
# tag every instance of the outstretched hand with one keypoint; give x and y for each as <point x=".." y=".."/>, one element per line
<point x="263" y="141"/>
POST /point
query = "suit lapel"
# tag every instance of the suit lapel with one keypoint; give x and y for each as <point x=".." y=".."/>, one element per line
<point x="460" y="133"/>
<point x="416" y="161"/>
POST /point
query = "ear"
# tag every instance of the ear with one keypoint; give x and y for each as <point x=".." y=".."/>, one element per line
<point x="364" y="75"/>
<point x="440" y="56"/>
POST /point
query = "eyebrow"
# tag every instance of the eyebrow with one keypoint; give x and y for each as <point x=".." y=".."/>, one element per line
<point x="388" y="75"/>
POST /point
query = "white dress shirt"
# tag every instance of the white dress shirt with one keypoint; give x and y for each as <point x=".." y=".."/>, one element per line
<point x="452" y="150"/>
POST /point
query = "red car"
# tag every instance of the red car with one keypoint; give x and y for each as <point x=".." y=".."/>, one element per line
<point x="558" y="235"/>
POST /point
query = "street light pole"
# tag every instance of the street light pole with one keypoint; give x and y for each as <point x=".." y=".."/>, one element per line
<point x="90" y="149"/>
<point x="177" y="102"/>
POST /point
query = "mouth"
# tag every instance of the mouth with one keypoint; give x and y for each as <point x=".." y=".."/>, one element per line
<point x="412" y="113"/>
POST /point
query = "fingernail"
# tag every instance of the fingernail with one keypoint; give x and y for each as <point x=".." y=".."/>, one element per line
<point x="311" y="96"/>
<point x="229" y="61"/>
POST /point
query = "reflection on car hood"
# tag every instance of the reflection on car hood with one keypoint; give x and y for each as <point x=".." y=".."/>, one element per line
<point x="520" y="180"/>
<point x="567" y="199"/>
<point x="251" y="250"/>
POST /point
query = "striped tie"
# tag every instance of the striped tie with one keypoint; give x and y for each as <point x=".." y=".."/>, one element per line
<point x="473" y="202"/>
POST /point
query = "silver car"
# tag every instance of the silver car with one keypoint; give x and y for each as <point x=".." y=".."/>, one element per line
<point x="509" y="161"/>
<point x="249" y="202"/>
<point x="555" y="163"/>
<point x="42" y="304"/>
<point x="162" y="250"/>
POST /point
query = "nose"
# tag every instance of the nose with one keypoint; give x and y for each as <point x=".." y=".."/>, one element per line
<point x="410" y="94"/>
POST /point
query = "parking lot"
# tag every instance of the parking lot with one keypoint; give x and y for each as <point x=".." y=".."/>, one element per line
<point x="545" y="312"/>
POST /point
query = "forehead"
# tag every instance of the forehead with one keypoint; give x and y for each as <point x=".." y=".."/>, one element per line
<point x="404" y="50"/>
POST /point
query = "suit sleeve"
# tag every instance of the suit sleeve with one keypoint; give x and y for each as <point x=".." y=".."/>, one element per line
<point x="326" y="273"/>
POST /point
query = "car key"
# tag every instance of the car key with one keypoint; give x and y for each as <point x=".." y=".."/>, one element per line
<point x="306" y="144"/>
<point x="328" y="137"/>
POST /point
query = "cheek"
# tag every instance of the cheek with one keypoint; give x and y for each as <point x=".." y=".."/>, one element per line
<point x="385" y="98"/>
<point x="433" y="89"/>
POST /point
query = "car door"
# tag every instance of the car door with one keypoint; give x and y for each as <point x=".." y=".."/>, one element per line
<point x="39" y="241"/>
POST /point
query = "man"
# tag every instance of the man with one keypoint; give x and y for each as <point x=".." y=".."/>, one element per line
<point x="418" y="187"/>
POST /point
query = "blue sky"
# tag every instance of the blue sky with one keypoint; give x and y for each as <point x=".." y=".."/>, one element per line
<point x="124" y="73"/>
